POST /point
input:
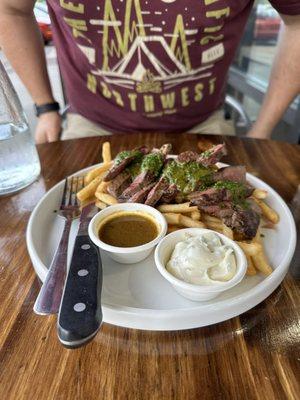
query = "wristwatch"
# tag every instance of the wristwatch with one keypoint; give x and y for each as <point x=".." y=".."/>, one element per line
<point x="44" y="108"/>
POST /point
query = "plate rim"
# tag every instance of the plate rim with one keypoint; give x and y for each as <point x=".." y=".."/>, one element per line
<point x="271" y="282"/>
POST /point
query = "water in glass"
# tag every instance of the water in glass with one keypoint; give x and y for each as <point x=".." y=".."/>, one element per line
<point x="19" y="162"/>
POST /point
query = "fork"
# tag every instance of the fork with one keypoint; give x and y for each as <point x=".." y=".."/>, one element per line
<point x="49" y="298"/>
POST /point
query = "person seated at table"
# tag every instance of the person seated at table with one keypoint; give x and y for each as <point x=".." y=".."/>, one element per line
<point x="137" y="65"/>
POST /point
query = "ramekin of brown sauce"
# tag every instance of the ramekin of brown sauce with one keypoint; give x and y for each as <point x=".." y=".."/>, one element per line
<point x="128" y="232"/>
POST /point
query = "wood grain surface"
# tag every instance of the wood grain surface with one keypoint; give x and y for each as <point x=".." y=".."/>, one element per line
<point x="255" y="356"/>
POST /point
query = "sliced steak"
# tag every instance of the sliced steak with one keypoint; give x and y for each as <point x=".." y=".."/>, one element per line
<point x="210" y="196"/>
<point x="117" y="168"/>
<point x="245" y="222"/>
<point x="234" y="174"/>
<point x="119" y="184"/>
<point x="212" y="155"/>
<point x="218" y="210"/>
<point x="187" y="156"/>
<point x="141" y="195"/>
<point x="157" y="192"/>
<point x="142" y="180"/>
<point x="170" y="194"/>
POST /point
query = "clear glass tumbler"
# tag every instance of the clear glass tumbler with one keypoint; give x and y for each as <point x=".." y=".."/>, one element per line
<point x="19" y="161"/>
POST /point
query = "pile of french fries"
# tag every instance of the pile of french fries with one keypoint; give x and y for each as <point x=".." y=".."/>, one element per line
<point x="180" y="216"/>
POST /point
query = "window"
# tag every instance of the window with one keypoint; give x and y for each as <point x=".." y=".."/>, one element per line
<point x="250" y="72"/>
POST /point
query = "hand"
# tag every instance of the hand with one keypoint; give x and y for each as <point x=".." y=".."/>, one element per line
<point x="48" y="128"/>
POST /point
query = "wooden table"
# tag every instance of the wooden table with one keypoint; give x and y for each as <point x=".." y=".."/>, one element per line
<point x="255" y="356"/>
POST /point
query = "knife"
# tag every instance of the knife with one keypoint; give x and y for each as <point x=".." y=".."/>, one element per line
<point x="80" y="314"/>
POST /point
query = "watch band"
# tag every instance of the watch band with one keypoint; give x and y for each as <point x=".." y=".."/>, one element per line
<point x="44" y="108"/>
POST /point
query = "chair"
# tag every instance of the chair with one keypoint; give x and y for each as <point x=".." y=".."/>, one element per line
<point x="235" y="111"/>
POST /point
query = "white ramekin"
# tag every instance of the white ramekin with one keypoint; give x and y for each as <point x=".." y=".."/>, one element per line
<point x="191" y="291"/>
<point x="127" y="255"/>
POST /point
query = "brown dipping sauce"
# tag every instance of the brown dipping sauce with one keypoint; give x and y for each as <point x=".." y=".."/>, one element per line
<point x="128" y="229"/>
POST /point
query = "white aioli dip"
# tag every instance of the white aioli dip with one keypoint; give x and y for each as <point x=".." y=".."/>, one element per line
<point x="202" y="259"/>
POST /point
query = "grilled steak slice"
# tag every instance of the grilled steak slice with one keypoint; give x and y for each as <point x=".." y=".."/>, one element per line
<point x="222" y="210"/>
<point x="187" y="156"/>
<point x="170" y="194"/>
<point x="151" y="167"/>
<point x="212" y="155"/>
<point x="117" y="169"/>
<point x="141" y="195"/>
<point x="234" y="174"/>
<point x="245" y="222"/>
<point x="119" y="184"/>
<point x="122" y="160"/>
<point x="142" y="180"/>
<point x="210" y="196"/>
<point x="157" y="192"/>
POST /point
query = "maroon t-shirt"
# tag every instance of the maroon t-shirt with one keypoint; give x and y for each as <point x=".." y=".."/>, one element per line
<point x="142" y="65"/>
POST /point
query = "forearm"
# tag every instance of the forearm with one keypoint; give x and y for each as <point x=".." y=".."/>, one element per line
<point x="21" y="42"/>
<point x="284" y="83"/>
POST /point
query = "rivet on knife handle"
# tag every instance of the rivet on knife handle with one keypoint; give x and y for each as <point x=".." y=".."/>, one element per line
<point x="80" y="314"/>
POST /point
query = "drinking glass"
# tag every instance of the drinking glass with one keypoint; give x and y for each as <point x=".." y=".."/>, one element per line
<point x="19" y="161"/>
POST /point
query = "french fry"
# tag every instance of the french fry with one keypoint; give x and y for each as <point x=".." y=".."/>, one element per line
<point x="251" y="271"/>
<point x="227" y="231"/>
<point x="190" y="223"/>
<point x="260" y="194"/>
<point x="268" y="212"/>
<point x="214" y="225"/>
<point x="177" y="208"/>
<point x="106" y="152"/>
<point x="260" y="259"/>
<point x="100" y="204"/>
<point x="96" y="172"/>
<point x="172" y="218"/>
<point x="106" y="198"/>
<point x="261" y="263"/>
<point x="268" y="225"/>
<point x="210" y="218"/>
<point x="89" y="190"/>
<point x="102" y="187"/>
<point x="172" y="228"/>
<point x="87" y="201"/>
<point x="250" y="249"/>
<point x="196" y="215"/>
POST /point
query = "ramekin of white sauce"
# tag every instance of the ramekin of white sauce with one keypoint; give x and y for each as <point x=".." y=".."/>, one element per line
<point x="200" y="263"/>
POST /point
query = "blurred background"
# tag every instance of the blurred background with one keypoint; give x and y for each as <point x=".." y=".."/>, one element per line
<point x="247" y="80"/>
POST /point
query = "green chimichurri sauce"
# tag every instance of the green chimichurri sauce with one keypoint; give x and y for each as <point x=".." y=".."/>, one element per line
<point x="128" y="153"/>
<point x="207" y="153"/>
<point x="152" y="162"/>
<point x="186" y="176"/>
<point x="134" y="169"/>
<point x="238" y="190"/>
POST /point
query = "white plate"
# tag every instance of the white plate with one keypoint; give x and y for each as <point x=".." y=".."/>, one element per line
<point x="137" y="296"/>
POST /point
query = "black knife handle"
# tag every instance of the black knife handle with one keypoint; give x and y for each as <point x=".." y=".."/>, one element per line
<point x="80" y="314"/>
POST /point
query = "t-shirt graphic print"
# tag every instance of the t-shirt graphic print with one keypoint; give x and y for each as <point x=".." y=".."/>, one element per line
<point x="146" y="64"/>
